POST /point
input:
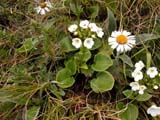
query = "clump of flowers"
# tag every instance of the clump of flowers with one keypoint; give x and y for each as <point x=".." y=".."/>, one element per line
<point x="144" y="79"/>
<point x="43" y="7"/>
<point x="122" y="41"/>
<point x="84" y="34"/>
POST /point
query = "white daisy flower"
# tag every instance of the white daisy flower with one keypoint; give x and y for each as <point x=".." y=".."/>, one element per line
<point x="155" y="87"/>
<point x="84" y="24"/>
<point x="99" y="32"/>
<point x="139" y="65"/>
<point x="43" y="7"/>
<point x="134" y="86"/>
<point x="88" y="43"/>
<point x="141" y="89"/>
<point x="122" y="41"/>
<point x="93" y="27"/>
<point x="76" y="42"/>
<point x="152" y="72"/>
<point x="137" y="75"/>
<point x="153" y="110"/>
<point x="72" y="28"/>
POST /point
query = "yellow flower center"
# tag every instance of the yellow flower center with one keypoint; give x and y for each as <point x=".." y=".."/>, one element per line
<point x="43" y="5"/>
<point x="122" y="39"/>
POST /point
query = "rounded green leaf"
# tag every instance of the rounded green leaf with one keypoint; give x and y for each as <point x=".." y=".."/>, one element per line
<point x="143" y="97"/>
<point x="131" y="113"/>
<point x="71" y="65"/>
<point x="128" y="94"/>
<point x="66" y="45"/>
<point x="83" y="55"/>
<point x="64" y="78"/>
<point x="97" y="44"/>
<point x="101" y="62"/>
<point x="103" y="82"/>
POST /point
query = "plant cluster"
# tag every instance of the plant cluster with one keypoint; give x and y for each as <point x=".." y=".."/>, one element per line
<point x="87" y="59"/>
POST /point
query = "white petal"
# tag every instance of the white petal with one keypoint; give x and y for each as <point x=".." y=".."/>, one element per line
<point x="114" y="45"/>
<point x="76" y="42"/>
<point x="111" y="39"/>
<point x="124" y="32"/>
<point x="48" y="4"/>
<point x="93" y="27"/>
<point x="141" y="92"/>
<point x="153" y="110"/>
<point x="42" y="12"/>
<point x="127" y="48"/>
<point x="46" y="9"/>
<point x="139" y="65"/>
<point x="84" y="24"/>
<point x="120" y="48"/>
<point x="133" y="42"/>
<point x="38" y="9"/>
<point x="88" y="43"/>
<point x="115" y="33"/>
<point x="132" y="37"/>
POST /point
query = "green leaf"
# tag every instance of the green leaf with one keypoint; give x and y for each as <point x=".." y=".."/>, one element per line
<point x="111" y="4"/>
<point x="126" y="59"/>
<point x="94" y="11"/>
<point x="48" y="25"/>
<point x="131" y="113"/>
<point x="142" y="38"/>
<point x="64" y="78"/>
<point x="143" y="97"/>
<point x="32" y="113"/>
<point x="103" y="82"/>
<point x="28" y="45"/>
<point x="83" y="55"/>
<point x="76" y="9"/>
<point x="111" y="22"/>
<point x="6" y="106"/>
<point x="66" y="45"/>
<point x="149" y="58"/>
<point x="71" y="65"/>
<point x="128" y="94"/>
<point x="101" y="62"/>
<point x="84" y="66"/>
<point x="97" y="44"/>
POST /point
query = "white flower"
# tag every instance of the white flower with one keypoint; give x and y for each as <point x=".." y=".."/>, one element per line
<point x="99" y="32"/>
<point x="72" y="28"/>
<point x="43" y="7"/>
<point x="76" y="42"/>
<point x="88" y="43"/>
<point x="84" y="24"/>
<point x="135" y="86"/>
<point x="152" y="72"/>
<point x="139" y="65"/>
<point x="141" y="89"/>
<point x="137" y="75"/>
<point x="155" y="87"/>
<point x="122" y="41"/>
<point x="93" y="27"/>
<point x="153" y="110"/>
